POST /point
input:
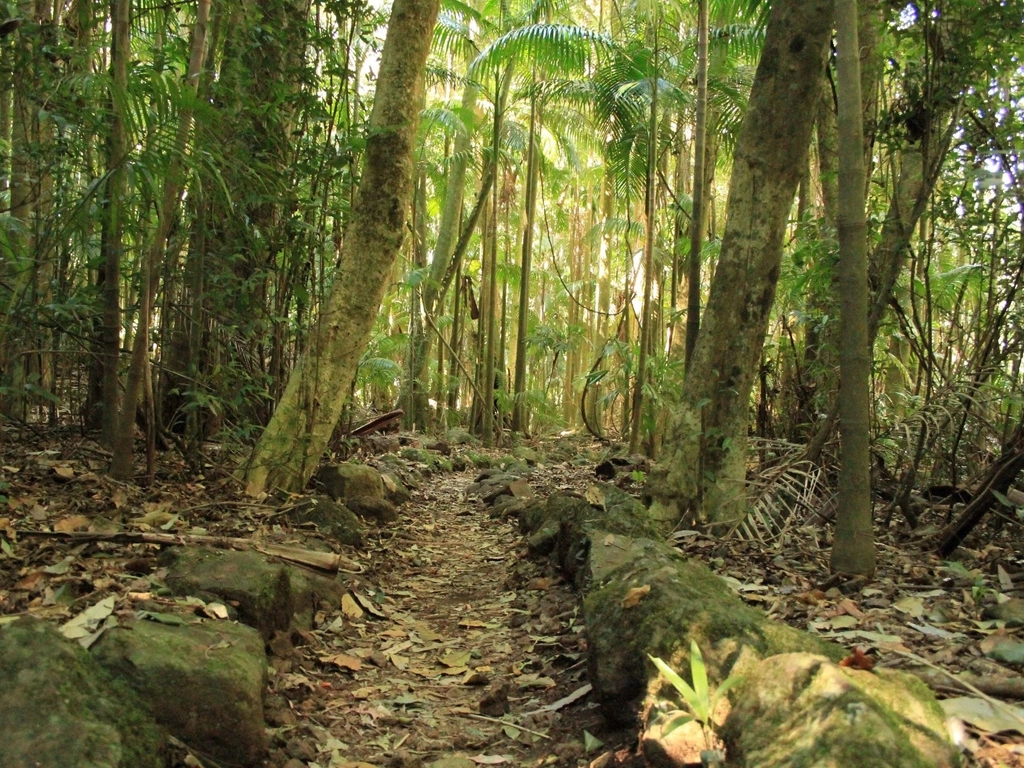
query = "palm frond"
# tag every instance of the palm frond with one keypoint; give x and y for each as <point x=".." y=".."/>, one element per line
<point x="556" y="48"/>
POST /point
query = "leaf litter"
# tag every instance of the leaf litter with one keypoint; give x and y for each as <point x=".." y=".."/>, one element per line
<point x="451" y="641"/>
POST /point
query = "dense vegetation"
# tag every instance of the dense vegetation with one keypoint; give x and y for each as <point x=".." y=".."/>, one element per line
<point x="179" y="180"/>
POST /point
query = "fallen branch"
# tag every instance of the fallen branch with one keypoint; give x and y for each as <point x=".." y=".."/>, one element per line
<point x="965" y="682"/>
<point x="323" y="561"/>
<point x="374" y="424"/>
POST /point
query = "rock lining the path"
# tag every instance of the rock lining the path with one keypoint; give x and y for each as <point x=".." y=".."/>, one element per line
<point x="59" y="707"/>
<point x="641" y="596"/>
<point x="203" y="682"/>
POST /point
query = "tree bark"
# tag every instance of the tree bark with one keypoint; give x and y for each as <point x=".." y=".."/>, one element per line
<point x="290" y="447"/>
<point x="113" y="224"/>
<point x="697" y="220"/>
<point x="703" y="469"/>
<point x="519" y="412"/>
<point x="854" y="548"/>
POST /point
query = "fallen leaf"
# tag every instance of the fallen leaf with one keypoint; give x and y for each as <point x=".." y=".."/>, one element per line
<point x="369" y="605"/>
<point x="1005" y="582"/>
<point x="119" y="498"/>
<point x="30" y="581"/>
<point x="343" y="660"/>
<point x="88" y="620"/>
<point x="594" y="497"/>
<point x="64" y="473"/>
<point x="635" y="595"/>
<point x="540" y="584"/>
<point x="70" y="524"/>
<point x="456" y="658"/>
<point x="491" y="759"/>
<point x="216" y="610"/>
<point x="985" y="715"/>
<point x="849" y="607"/>
<point x="843" y="622"/>
<point x="350" y="608"/>
<point x="912" y="606"/>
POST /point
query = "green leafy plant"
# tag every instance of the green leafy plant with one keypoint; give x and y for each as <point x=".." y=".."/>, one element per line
<point x="698" y="698"/>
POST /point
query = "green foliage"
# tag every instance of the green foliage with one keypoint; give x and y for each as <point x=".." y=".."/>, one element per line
<point x="699" y="700"/>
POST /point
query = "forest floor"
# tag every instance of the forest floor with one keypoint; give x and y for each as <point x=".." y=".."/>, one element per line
<point x="456" y="646"/>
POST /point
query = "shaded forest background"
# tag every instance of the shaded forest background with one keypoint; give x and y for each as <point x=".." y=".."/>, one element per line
<point x="177" y="182"/>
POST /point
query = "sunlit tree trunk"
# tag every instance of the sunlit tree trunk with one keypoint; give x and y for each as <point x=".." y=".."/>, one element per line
<point x="650" y="234"/>
<point x="519" y="413"/>
<point x="854" y="547"/>
<point x="697" y="219"/>
<point x="295" y="438"/>
<point x="702" y="472"/>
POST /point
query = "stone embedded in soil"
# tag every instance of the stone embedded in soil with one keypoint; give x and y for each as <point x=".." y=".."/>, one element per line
<point x="60" y="708"/>
<point x="333" y="520"/>
<point x="348" y="480"/>
<point x="800" y="709"/>
<point x="268" y="595"/>
<point x="371" y="508"/>
<point x="1012" y="612"/>
<point x="202" y="682"/>
<point x="394" y="489"/>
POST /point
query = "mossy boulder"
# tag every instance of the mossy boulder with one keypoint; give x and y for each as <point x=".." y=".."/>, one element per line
<point x="267" y="596"/>
<point x="332" y="519"/>
<point x="800" y="710"/>
<point x="203" y="682"/>
<point x="646" y="598"/>
<point x="347" y="480"/>
<point x="60" y="708"/>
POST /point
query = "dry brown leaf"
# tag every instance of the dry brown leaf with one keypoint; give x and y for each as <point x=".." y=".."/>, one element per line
<point x="64" y="473"/>
<point x="635" y="595"/>
<point x="30" y="581"/>
<point x="849" y="607"/>
<point x="343" y="660"/>
<point x="594" y="497"/>
<point x="540" y="584"/>
<point x="73" y="523"/>
<point x="350" y="608"/>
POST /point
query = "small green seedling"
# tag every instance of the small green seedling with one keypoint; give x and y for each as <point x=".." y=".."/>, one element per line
<point x="699" y="699"/>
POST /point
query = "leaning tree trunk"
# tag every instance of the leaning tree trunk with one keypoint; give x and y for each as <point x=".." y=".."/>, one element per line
<point x="703" y="468"/>
<point x="297" y="435"/>
<point x="854" y="548"/>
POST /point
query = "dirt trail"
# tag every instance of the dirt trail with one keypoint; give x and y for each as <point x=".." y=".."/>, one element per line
<point x="461" y="646"/>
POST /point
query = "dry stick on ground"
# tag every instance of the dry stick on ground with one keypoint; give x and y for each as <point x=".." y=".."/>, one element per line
<point x="992" y="685"/>
<point x="997" y="481"/>
<point x="1002" y="706"/>
<point x="323" y="561"/>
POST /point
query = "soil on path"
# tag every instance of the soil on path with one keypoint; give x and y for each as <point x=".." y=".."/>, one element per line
<point x="452" y="642"/>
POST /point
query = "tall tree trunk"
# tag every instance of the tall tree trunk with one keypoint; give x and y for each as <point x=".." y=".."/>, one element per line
<point x="113" y="222"/>
<point x="703" y="468"/>
<point x="854" y="547"/>
<point x="122" y="444"/>
<point x="650" y="234"/>
<point x="519" y="413"/>
<point x="295" y="438"/>
<point x="697" y="220"/>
